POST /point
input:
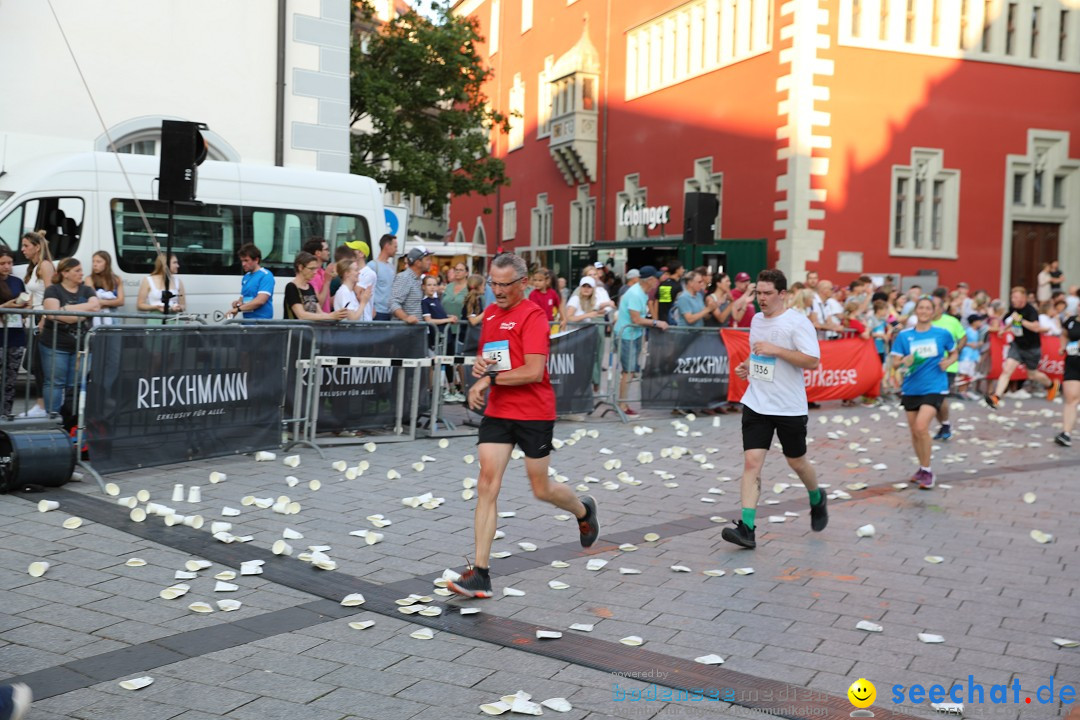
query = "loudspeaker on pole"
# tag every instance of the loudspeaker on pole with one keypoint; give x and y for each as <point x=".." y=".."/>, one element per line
<point x="699" y="218"/>
<point x="183" y="149"/>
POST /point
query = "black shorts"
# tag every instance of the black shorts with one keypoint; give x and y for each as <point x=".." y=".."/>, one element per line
<point x="532" y="436"/>
<point x="757" y="432"/>
<point x="1028" y="357"/>
<point x="912" y="403"/>
<point x="1072" y="368"/>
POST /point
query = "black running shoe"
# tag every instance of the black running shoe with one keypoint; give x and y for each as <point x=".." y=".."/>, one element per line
<point x="741" y="534"/>
<point x="471" y="584"/>
<point x="819" y="514"/>
<point x="1063" y="440"/>
<point x="590" y="527"/>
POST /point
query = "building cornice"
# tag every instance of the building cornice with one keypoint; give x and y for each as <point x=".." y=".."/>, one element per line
<point x="465" y="7"/>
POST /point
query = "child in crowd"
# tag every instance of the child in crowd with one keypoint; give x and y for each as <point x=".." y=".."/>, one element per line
<point x="970" y="356"/>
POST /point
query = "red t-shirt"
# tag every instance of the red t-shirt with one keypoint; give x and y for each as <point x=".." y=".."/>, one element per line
<point x="525" y="329"/>
<point x="747" y="316"/>
<point x="857" y="326"/>
<point x="548" y="301"/>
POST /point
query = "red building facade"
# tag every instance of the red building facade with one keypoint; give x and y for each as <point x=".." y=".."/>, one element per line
<point x="855" y="136"/>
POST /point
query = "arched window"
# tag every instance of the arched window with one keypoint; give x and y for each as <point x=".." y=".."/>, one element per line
<point x="142" y="136"/>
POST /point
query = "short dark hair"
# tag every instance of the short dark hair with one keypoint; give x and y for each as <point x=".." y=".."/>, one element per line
<point x="313" y="245"/>
<point x="303" y="258"/>
<point x="344" y="252"/>
<point x="386" y="240"/>
<point x="774" y="276"/>
<point x="941" y="292"/>
<point x="250" y="251"/>
<point x="674" y="266"/>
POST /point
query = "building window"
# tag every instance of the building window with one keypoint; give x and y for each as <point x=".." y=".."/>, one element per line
<point x="1010" y="30"/>
<point x="988" y="22"/>
<point x="696" y="37"/>
<point x="509" y="221"/>
<point x="542" y="216"/>
<point x="526" y="15"/>
<point x="909" y="22"/>
<point x="1037" y="189"/>
<point x="883" y="20"/>
<point x="583" y="218"/>
<point x="1059" y="191"/>
<point x="139" y="147"/>
<point x="706" y="181"/>
<point x="493" y="33"/>
<point x="935" y="27"/>
<point x="1063" y="34"/>
<point x="517" y="113"/>
<point x="963" y="43"/>
<point x="632" y="194"/>
<point x="1036" y="16"/>
<point x="1018" y="188"/>
<point x="925" y="206"/>
<point x="543" y="99"/>
<point x="856" y="18"/>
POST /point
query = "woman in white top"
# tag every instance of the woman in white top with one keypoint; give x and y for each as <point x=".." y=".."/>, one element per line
<point x="153" y="285"/>
<point x="107" y="285"/>
<point x="39" y="275"/>
<point x="583" y="307"/>
<point x="355" y="301"/>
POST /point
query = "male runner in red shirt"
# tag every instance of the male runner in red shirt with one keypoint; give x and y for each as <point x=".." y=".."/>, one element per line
<point x="512" y="361"/>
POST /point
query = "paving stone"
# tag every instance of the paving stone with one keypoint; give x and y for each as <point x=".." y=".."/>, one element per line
<point x="378" y="706"/>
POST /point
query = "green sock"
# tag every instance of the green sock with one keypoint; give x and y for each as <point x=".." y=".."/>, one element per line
<point x="748" y="515"/>
<point x="815" y="497"/>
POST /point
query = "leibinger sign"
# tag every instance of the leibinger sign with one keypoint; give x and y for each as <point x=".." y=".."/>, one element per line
<point x="634" y="215"/>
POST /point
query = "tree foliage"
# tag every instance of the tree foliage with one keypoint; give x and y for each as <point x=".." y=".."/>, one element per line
<point x="416" y="96"/>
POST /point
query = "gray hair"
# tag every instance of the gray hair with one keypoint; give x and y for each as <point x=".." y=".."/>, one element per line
<point x="512" y="261"/>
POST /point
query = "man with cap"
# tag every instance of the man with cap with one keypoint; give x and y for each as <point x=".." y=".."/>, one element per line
<point x="742" y="301"/>
<point x="407" y="293"/>
<point x="385" y="270"/>
<point x="367" y="279"/>
<point x="630" y="328"/>
<point x="256" y="287"/>
<point x="667" y="292"/>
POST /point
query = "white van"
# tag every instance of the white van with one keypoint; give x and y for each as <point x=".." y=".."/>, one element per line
<point x="84" y="204"/>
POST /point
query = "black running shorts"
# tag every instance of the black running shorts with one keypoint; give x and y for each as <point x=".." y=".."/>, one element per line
<point x="532" y="436"/>
<point x="1072" y="368"/>
<point x="757" y="432"/>
<point x="912" y="403"/>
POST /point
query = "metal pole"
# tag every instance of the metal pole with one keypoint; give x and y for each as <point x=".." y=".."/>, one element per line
<point x="165" y="294"/>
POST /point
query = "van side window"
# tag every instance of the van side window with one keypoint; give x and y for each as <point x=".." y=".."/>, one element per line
<point x="60" y="218"/>
<point x="206" y="236"/>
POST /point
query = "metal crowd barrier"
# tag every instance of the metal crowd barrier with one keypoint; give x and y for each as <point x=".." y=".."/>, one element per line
<point x="27" y="364"/>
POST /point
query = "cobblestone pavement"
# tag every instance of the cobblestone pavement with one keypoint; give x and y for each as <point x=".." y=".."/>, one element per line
<point x="998" y="597"/>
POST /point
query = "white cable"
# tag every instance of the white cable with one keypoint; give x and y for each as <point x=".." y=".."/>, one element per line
<point x="112" y="146"/>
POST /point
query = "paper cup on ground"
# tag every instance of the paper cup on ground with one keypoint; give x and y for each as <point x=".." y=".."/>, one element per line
<point x="72" y="523"/>
<point x="47" y="505"/>
<point x="112" y="489"/>
<point x="292" y="460"/>
<point x="37" y="569"/>
<point x="281" y="547"/>
<point x="281" y="508"/>
<point x="137" y="514"/>
<point x="194" y="521"/>
<point x="143" y="495"/>
<point x="136" y="683"/>
<point x="194" y="494"/>
<point x="264" y="456"/>
<point x="216" y="527"/>
<point x="174" y="519"/>
<point x="128" y="502"/>
<point x="216" y="477"/>
<point x="178" y="493"/>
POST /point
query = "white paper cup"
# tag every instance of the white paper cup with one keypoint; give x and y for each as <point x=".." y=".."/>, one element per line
<point x="37" y="569"/>
<point x="112" y="489"/>
<point x="178" y="492"/>
<point x="153" y="508"/>
<point x="281" y="508"/>
<point x="174" y="519"/>
<point x="47" y="505"/>
<point x="216" y="477"/>
<point x="194" y="521"/>
<point x="128" y="502"/>
<point x="281" y="547"/>
<point x="217" y="527"/>
<point x="137" y="514"/>
<point x="194" y="494"/>
<point x="143" y="495"/>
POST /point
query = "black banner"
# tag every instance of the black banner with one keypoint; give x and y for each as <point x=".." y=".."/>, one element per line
<point x="570" y="361"/>
<point x="570" y="365"/>
<point x="164" y="395"/>
<point x="365" y="397"/>
<point x="684" y="369"/>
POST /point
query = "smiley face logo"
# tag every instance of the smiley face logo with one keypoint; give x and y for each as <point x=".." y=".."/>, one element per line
<point x="862" y="693"/>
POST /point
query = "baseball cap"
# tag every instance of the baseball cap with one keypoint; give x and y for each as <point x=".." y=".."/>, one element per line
<point x="598" y="264"/>
<point x="742" y="277"/>
<point x="975" y="317"/>
<point x="587" y="281"/>
<point x="360" y="246"/>
<point x="416" y="253"/>
<point x="648" y="271"/>
<point x="633" y="273"/>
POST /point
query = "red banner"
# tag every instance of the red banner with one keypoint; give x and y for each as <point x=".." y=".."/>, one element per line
<point x="1052" y="361"/>
<point x="849" y="369"/>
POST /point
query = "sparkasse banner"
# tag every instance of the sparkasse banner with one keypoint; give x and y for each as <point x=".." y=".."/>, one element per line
<point x="166" y="395"/>
<point x="848" y="369"/>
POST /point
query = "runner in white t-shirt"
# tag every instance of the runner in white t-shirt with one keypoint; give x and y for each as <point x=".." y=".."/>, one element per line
<point x="783" y="343"/>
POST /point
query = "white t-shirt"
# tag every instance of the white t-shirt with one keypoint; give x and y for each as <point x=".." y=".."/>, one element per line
<point x="345" y="299"/>
<point x="776" y="386"/>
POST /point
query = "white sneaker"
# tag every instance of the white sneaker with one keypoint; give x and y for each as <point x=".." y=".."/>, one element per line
<point x="35" y="411"/>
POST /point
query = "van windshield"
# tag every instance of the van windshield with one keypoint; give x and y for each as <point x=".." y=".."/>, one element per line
<point x="60" y="218"/>
<point x="206" y="236"/>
